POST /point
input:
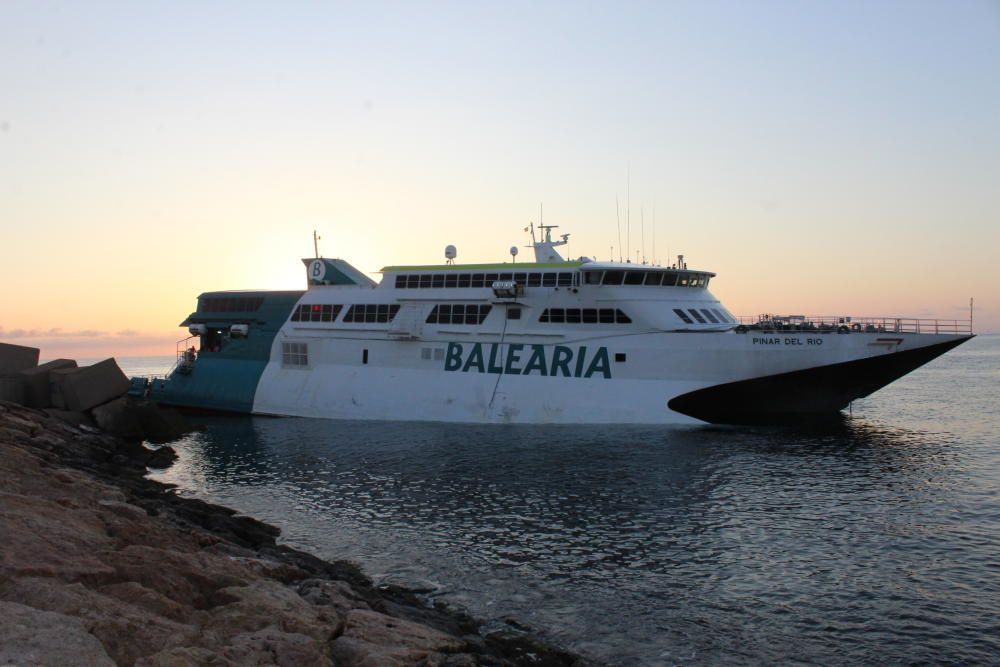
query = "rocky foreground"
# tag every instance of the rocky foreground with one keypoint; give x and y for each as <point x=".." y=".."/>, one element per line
<point x="101" y="566"/>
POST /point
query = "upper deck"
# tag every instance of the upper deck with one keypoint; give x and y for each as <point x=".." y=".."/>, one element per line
<point x="561" y="274"/>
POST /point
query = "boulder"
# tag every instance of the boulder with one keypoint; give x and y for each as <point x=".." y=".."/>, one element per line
<point x="16" y="358"/>
<point x="161" y="458"/>
<point x="29" y="636"/>
<point x="12" y="389"/>
<point x="37" y="393"/>
<point x="88" y="386"/>
<point x="118" y="418"/>
<point x="371" y="638"/>
<point x="161" y="424"/>
<point x="71" y="418"/>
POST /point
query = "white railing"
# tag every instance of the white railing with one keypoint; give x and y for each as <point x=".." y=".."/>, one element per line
<point x="769" y="322"/>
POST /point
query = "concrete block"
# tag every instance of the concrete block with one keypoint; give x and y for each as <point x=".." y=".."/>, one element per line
<point x="118" y="418"/>
<point x="12" y="389"/>
<point x="37" y="393"/>
<point x="88" y="386"/>
<point x="16" y="358"/>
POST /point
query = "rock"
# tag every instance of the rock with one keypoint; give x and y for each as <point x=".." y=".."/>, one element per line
<point x="88" y="386"/>
<point x="160" y="424"/>
<point x="185" y="656"/>
<point x="191" y="579"/>
<point x="374" y="639"/>
<point x="29" y="636"/>
<point x="263" y="604"/>
<point x="12" y="388"/>
<point x="16" y="358"/>
<point x="337" y="594"/>
<point x="117" y="418"/>
<point x="272" y="646"/>
<point x="70" y="417"/>
<point x="37" y="393"/>
<point x="162" y="457"/>
<point x="54" y="539"/>
<point x="126" y="632"/>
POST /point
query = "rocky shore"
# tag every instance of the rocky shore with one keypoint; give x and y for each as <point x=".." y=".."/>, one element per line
<point x="101" y="566"/>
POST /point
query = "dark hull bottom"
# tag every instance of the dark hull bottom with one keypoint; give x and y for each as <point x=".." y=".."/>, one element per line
<point x="803" y="395"/>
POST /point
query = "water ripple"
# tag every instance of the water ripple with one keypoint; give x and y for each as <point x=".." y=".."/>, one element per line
<point x="870" y="541"/>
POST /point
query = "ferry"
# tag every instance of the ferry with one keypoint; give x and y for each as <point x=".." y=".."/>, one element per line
<point x="554" y="341"/>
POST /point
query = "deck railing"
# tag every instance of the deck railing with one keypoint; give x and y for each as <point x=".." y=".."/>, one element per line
<point x="769" y="322"/>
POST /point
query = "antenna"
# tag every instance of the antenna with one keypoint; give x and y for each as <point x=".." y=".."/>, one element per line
<point x="628" y="214"/>
<point x="619" y="217"/>
<point x="970" y="314"/>
<point x="654" y="231"/>
<point x="316" y="240"/>
<point x="642" y="217"/>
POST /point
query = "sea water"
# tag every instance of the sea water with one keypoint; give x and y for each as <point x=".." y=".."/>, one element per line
<point x="872" y="540"/>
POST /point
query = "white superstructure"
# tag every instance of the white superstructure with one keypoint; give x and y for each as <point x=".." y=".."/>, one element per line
<point x="559" y="341"/>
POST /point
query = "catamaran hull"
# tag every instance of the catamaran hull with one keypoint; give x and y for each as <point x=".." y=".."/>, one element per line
<point x="650" y="378"/>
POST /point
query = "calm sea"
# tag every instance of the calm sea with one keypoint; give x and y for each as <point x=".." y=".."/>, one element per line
<point x="876" y="540"/>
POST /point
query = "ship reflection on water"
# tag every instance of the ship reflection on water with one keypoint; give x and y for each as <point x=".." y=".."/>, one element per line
<point x="639" y="544"/>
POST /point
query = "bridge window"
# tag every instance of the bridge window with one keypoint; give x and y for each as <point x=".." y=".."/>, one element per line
<point x="613" y="277"/>
<point x="295" y="354"/>
<point x="459" y="313"/>
<point x="722" y="317"/>
<point x="368" y="313"/>
<point x="697" y="316"/>
<point x="459" y="280"/>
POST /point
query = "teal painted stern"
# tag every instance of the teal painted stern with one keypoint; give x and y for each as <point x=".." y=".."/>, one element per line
<point x="234" y="333"/>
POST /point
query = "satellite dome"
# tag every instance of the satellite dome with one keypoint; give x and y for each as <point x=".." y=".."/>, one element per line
<point x="450" y="252"/>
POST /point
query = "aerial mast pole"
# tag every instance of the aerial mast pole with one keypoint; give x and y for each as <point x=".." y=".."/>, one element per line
<point x="316" y="244"/>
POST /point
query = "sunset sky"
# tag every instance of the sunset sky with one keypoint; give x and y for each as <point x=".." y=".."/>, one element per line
<point x="822" y="158"/>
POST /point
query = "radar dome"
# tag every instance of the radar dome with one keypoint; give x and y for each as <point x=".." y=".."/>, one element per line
<point x="513" y="250"/>
<point x="450" y="252"/>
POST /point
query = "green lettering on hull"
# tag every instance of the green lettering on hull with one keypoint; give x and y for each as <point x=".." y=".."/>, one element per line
<point x="565" y="361"/>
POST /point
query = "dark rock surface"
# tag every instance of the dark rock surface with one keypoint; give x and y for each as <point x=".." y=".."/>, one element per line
<point x="101" y="565"/>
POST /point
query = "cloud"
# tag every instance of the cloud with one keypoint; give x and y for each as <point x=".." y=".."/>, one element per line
<point x="92" y="342"/>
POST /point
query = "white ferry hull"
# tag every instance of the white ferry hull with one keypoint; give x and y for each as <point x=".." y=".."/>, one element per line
<point x="659" y="370"/>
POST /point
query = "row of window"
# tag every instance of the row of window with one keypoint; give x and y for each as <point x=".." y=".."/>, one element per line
<point x="647" y="278"/>
<point x="476" y="313"/>
<point x="445" y="280"/>
<point x="316" y="312"/>
<point x="706" y="316"/>
<point x="459" y="314"/>
<point x="380" y="313"/>
<point x="584" y="316"/>
<point x="234" y="304"/>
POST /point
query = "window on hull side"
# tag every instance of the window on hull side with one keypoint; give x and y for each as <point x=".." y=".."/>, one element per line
<point x="459" y="313"/>
<point x="316" y="312"/>
<point x="294" y="354"/>
<point x="584" y="316"/>
<point x="371" y="313"/>
<point x="709" y="315"/>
